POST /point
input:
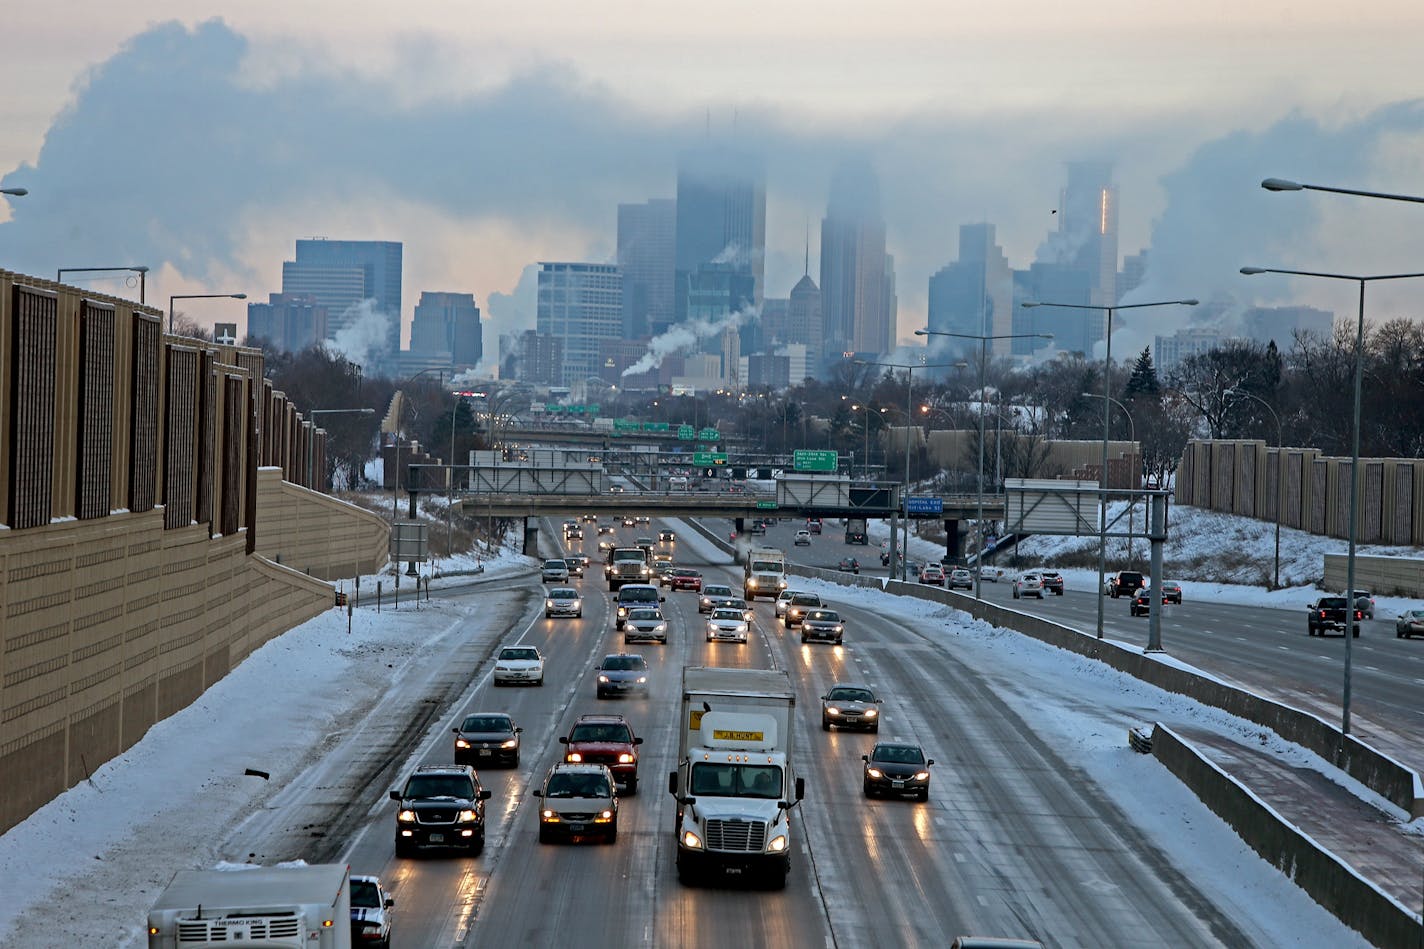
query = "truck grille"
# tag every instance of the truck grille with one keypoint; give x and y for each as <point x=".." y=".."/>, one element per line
<point x="435" y="816"/>
<point x="740" y="835"/>
<point x="600" y="757"/>
<point x="257" y="929"/>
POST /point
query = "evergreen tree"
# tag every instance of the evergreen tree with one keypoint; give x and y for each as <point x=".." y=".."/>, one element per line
<point x="1143" y="380"/>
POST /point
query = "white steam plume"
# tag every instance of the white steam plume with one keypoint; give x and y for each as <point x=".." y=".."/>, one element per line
<point x="365" y="335"/>
<point x="685" y="335"/>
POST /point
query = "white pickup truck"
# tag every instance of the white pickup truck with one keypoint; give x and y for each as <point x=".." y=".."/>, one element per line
<point x="282" y="907"/>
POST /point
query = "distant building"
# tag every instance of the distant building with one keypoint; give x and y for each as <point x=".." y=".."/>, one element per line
<point x="1134" y="270"/>
<point x="448" y="323"/>
<point x="720" y="218"/>
<point x="773" y="321"/>
<point x="581" y="304"/>
<point x="540" y="359"/>
<point x="1280" y="323"/>
<point x="805" y="327"/>
<point x="617" y="355"/>
<point x="291" y="322"/>
<point x="858" y="299"/>
<point x="798" y="362"/>
<point x="765" y="370"/>
<point x="647" y="257"/>
<point x="972" y="296"/>
<point x="341" y="274"/>
<point x="1074" y="331"/>
<point x="1168" y="352"/>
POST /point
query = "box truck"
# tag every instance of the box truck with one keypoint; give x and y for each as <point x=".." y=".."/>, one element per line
<point x="284" y="907"/>
<point x="736" y="780"/>
<point x="764" y="573"/>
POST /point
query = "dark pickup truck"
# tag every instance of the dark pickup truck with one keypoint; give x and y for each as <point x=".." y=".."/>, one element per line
<point x="1328" y="613"/>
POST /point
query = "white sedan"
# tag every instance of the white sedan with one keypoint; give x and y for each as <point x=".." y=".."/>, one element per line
<point x="519" y="664"/>
<point x="727" y="624"/>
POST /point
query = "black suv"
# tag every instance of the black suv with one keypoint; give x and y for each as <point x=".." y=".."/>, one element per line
<point x="442" y="805"/>
<point x="1125" y="583"/>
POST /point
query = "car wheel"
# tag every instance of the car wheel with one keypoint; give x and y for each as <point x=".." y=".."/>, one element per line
<point x="869" y="791"/>
<point x="579" y="615"/>
<point x="875" y="729"/>
<point x="632" y="787"/>
<point x="925" y="794"/>
<point x="404" y="849"/>
<point x="539" y="681"/>
<point x="612" y="837"/>
<point x="803" y="638"/>
<point x="478" y="847"/>
<point x="1356" y="632"/>
<point x="600" y="694"/>
<point x="547" y="614"/>
<point x="1398" y="634"/>
<point x="546" y="836"/>
<point x="514" y="762"/>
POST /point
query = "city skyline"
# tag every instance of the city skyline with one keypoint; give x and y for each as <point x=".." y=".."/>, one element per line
<point x="217" y="208"/>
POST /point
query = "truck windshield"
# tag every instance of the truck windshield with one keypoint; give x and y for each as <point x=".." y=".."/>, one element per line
<point x="439" y="785"/>
<point x="767" y="566"/>
<point x="736" y="780"/>
<point x="621" y="555"/>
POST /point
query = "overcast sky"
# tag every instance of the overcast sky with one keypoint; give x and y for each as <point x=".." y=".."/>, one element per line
<point x="489" y="136"/>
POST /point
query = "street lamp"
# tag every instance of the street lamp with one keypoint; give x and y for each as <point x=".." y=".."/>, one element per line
<point x="983" y="367"/>
<point x="140" y="270"/>
<point x="15" y="192"/>
<point x="1280" y="464"/>
<point x="1283" y="184"/>
<point x="1107" y="422"/>
<point x="311" y="442"/>
<point x="1355" y="443"/>
<point x="864" y="410"/>
<point x="909" y="418"/>
<point x="1132" y="435"/>
<point x="199" y="296"/>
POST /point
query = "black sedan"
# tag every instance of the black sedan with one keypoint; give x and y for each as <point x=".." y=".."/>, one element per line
<point x="897" y="768"/>
<point x="848" y="565"/>
<point x="487" y="738"/>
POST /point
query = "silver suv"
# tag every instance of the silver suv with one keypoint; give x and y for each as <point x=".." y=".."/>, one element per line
<point x="578" y="800"/>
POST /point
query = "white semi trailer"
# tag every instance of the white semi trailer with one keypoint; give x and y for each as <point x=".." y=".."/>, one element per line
<point x="736" y="780"/>
<point x="283" y="907"/>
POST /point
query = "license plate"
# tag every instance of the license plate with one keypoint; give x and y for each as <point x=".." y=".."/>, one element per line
<point x="437" y="838"/>
<point x="485" y="752"/>
<point x="576" y="828"/>
<point x="734" y="871"/>
<point x="897" y="784"/>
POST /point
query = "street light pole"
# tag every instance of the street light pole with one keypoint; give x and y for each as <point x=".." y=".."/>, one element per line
<point x="1354" y="450"/>
<point x="1283" y="184"/>
<point x="1132" y="435"/>
<point x="199" y="296"/>
<point x="1107" y="423"/>
<point x="1280" y="464"/>
<point x="311" y="442"/>
<point x="142" y="272"/>
<point x="983" y="381"/>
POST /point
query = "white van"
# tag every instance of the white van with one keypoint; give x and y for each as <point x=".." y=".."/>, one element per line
<point x="677" y="483"/>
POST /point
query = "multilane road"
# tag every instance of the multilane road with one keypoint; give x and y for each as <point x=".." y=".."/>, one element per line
<point x="1012" y="841"/>
<point x="1264" y="649"/>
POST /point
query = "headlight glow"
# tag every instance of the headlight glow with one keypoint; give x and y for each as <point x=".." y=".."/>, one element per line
<point x="871" y="713"/>
<point x="922" y="776"/>
<point x="778" y="844"/>
<point x="406" y="816"/>
<point x="511" y="743"/>
<point x="606" y="815"/>
<point x="875" y="773"/>
<point x="603" y="678"/>
<point x="642" y="679"/>
<point x="461" y="743"/>
<point x="465" y="816"/>
<point x="840" y="629"/>
<point x="547" y="815"/>
<point x="660" y="628"/>
<point x="752" y="583"/>
<point x="573" y="757"/>
<point x="625" y="758"/>
<point x="549" y="604"/>
<point x="691" y="841"/>
<point x="833" y="711"/>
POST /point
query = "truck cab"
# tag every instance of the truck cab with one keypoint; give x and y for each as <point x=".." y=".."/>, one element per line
<point x="736" y="782"/>
<point x="764" y="573"/>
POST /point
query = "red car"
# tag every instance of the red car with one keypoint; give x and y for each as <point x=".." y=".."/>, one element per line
<point x="932" y="573"/>
<point x="681" y="578"/>
<point x="605" y="739"/>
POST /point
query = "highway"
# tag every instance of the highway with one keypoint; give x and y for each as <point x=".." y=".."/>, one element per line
<point x="1012" y="842"/>
<point x="1262" y="649"/>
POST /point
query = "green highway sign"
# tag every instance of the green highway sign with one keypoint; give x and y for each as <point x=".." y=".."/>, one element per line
<point x="592" y="408"/>
<point x="708" y="435"/>
<point x="624" y="425"/>
<point x="705" y="459"/>
<point x="815" y="460"/>
<point x="656" y="427"/>
<point x="766" y="505"/>
<point x="685" y="432"/>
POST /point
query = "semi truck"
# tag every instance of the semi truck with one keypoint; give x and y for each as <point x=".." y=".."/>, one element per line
<point x="855" y="531"/>
<point x="736" y="780"/>
<point x="628" y="565"/>
<point x="764" y="573"/>
<point x="298" y="906"/>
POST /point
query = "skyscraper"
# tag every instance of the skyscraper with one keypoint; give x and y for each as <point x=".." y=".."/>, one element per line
<point x="646" y="255"/>
<point x="290" y="322"/>
<point x="720" y="219"/>
<point x="448" y="323"/>
<point x="973" y="295"/>
<point x="341" y="274"/>
<point x="580" y="304"/>
<point x="857" y="276"/>
<point x="804" y="321"/>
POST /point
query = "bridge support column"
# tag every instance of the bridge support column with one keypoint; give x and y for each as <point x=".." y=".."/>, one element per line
<point x="953" y="541"/>
<point x="895" y="567"/>
<point x="531" y="537"/>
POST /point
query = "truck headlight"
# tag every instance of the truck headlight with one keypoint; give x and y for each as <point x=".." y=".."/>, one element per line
<point x="548" y="604"/>
<point x="691" y="841"/>
<point x="781" y="584"/>
<point x="406" y="816"/>
<point x="461" y="743"/>
<point x="465" y="816"/>
<point x="511" y="743"/>
<point x="839" y="629"/>
<point x="573" y="757"/>
<point x="605" y="815"/>
<point x="625" y="758"/>
<point x="642" y="680"/>
<point x="622" y="611"/>
<point x="549" y="815"/>
<point x="778" y="843"/>
<point x="752" y="583"/>
<point x="603" y="678"/>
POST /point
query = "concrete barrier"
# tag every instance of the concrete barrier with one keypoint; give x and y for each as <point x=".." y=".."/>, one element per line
<point x="1353" y="900"/>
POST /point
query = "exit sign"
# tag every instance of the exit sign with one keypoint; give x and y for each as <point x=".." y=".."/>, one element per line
<point x="705" y="459"/>
<point x="803" y="460"/>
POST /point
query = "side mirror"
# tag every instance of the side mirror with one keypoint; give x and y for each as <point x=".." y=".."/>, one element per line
<point x="687" y="801"/>
<point x="672" y="782"/>
<point x="865" y="758"/>
<point x="520" y="728"/>
<point x="485" y="795"/>
<point x="823" y="698"/>
<point x="637" y="741"/>
<point x="800" y="788"/>
<point x="455" y="730"/>
<point x="929" y="762"/>
<point x="537" y="792"/>
<point x="662" y="599"/>
<point x="395" y="795"/>
<point x="390" y="902"/>
<point x="879" y="701"/>
<point x="563" y="740"/>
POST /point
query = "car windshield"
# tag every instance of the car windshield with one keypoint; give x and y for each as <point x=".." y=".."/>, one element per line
<point x="736" y="780"/>
<point x="600" y="731"/>
<point x="519" y="653"/>
<point x="365" y="894"/>
<point x="826" y="616"/>
<point x="624" y="664"/>
<point x="638" y="595"/>
<point x="727" y="614"/>
<point x="806" y="599"/>
<point x="850" y="695"/>
<point x="487" y="723"/>
<point x="575" y="784"/>
<point x="555" y="565"/>
<point x="715" y="590"/>
<point x="1416" y="614"/>
<point x="684" y="572"/>
<point x="439" y="785"/>
<point x="563" y="594"/>
<point x="645" y="614"/>
<point x="898" y="754"/>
